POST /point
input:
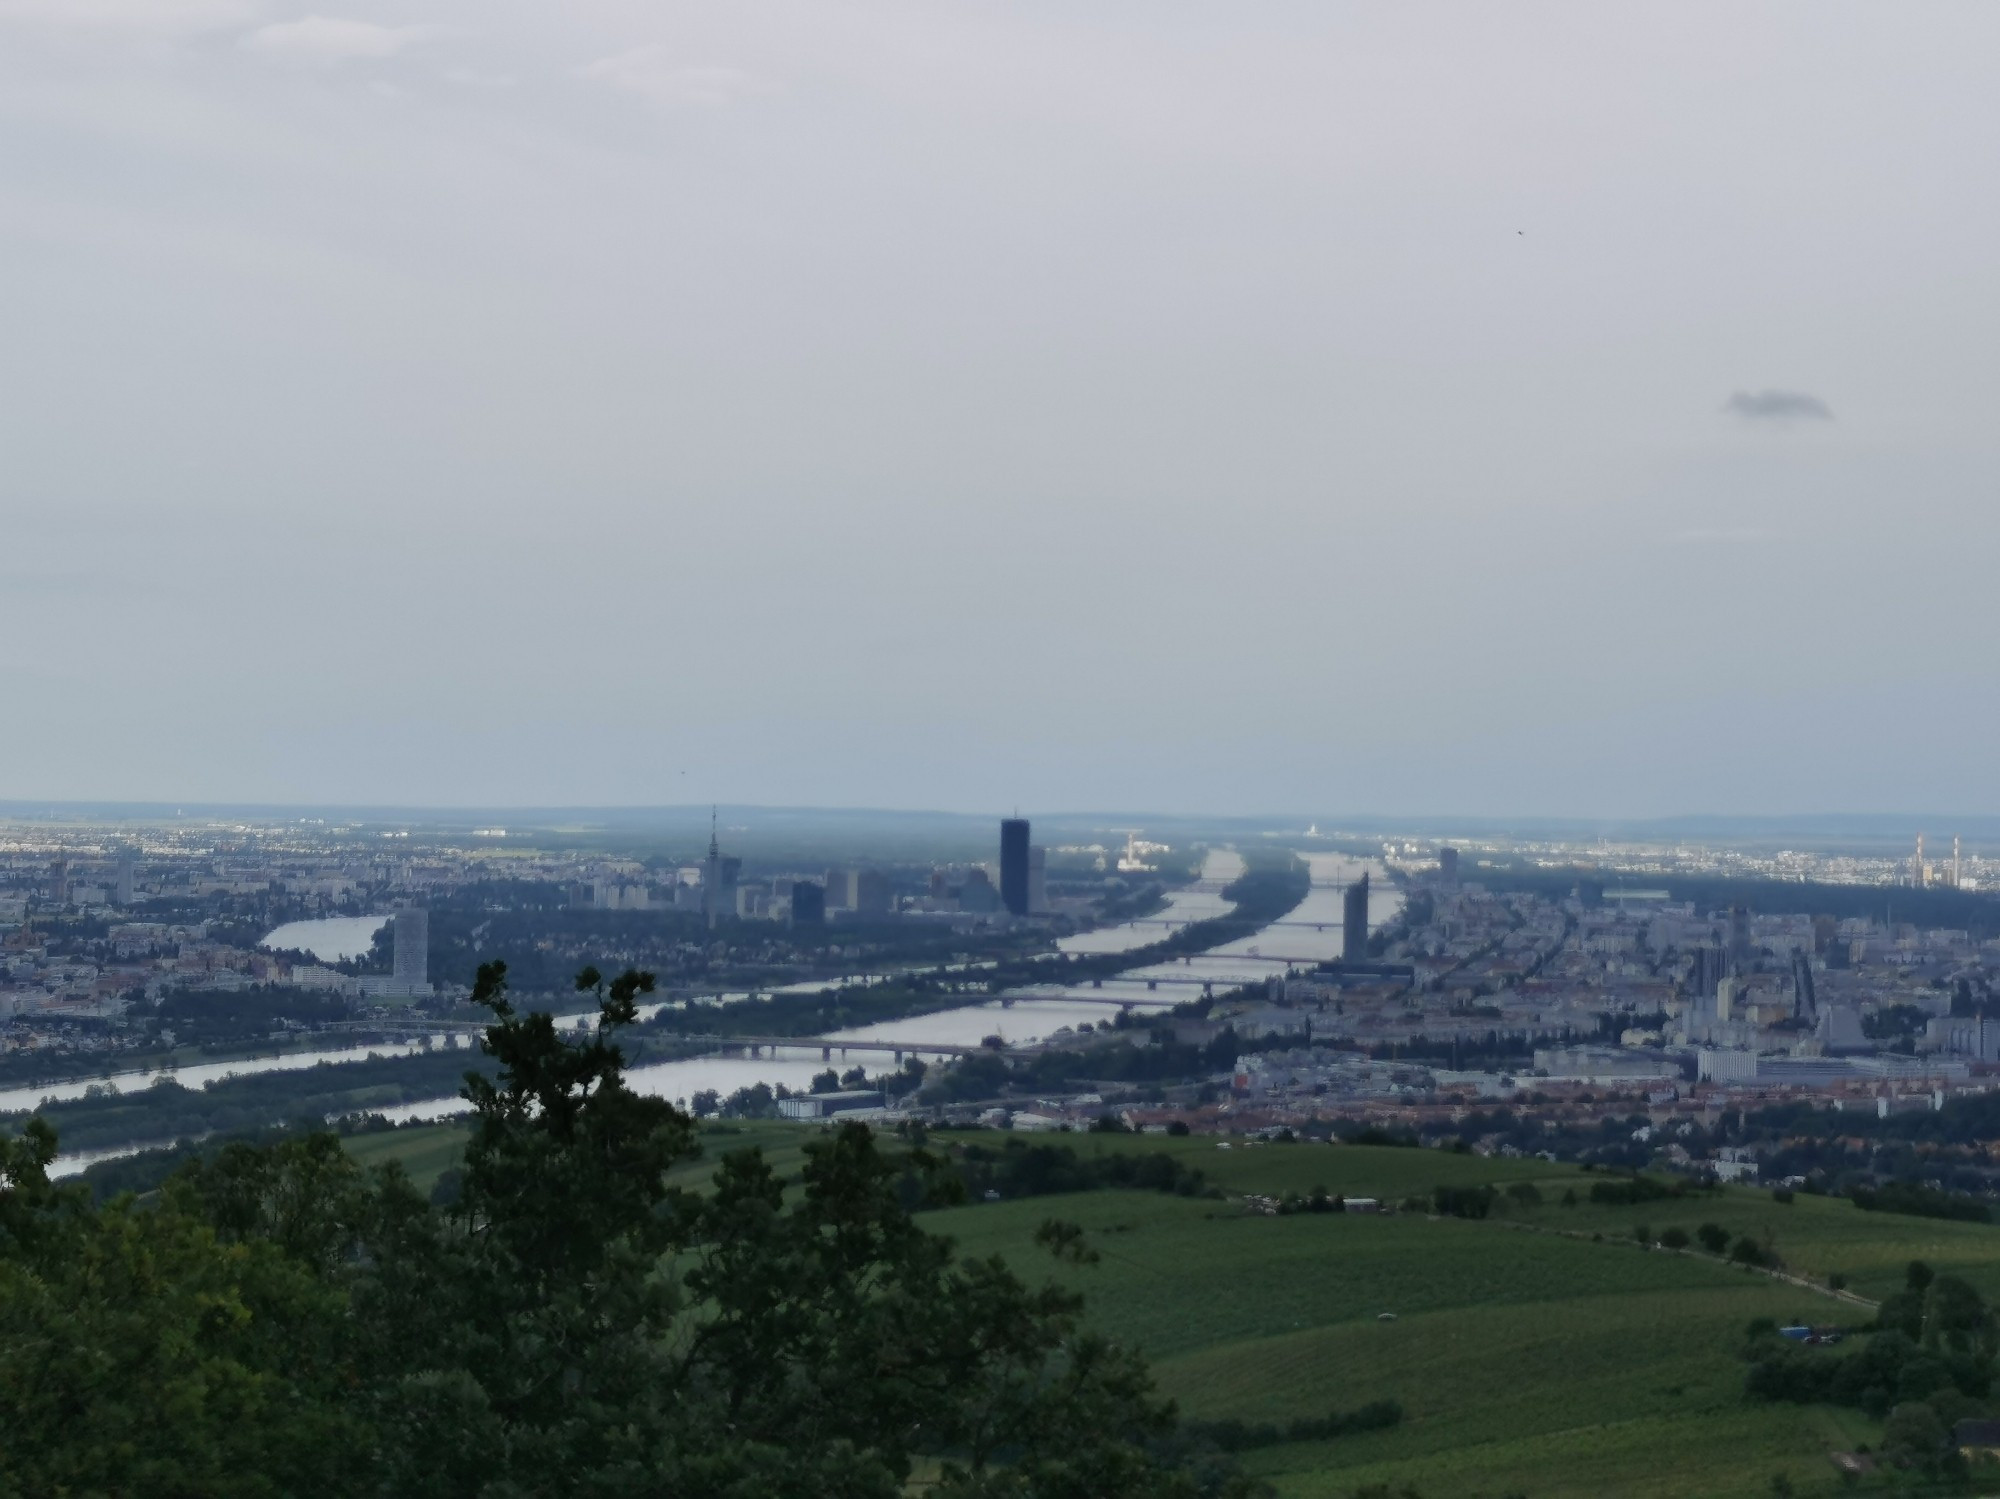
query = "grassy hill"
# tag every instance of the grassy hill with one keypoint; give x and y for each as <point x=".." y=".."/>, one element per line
<point x="427" y="1151"/>
<point x="1540" y="1352"/>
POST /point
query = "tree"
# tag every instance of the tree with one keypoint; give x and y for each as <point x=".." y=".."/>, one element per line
<point x="569" y="1322"/>
<point x="1913" y="1435"/>
<point x="1955" y="1319"/>
<point x="141" y="1353"/>
<point x="1674" y="1238"/>
<point x="1525" y="1195"/>
<point x="1714" y="1238"/>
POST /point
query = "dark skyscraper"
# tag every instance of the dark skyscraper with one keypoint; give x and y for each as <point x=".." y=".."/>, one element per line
<point x="1805" y="1001"/>
<point x="1448" y="865"/>
<point x="1706" y="972"/>
<point x="1742" y="953"/>
<point x="1354" y="922"/>
<point x="1014" y="865"/>
<point x="808" y="904"/>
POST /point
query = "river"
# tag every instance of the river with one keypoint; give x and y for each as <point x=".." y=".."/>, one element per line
<point x="1309" y="933"/>
<point x="1201" y="901"/>
<point x="201" y="1074"/>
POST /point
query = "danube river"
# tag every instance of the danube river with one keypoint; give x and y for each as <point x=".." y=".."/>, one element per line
<point x="1307" y="934"/>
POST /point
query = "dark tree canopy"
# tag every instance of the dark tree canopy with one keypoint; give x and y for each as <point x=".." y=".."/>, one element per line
<point x="280" y="1322"/>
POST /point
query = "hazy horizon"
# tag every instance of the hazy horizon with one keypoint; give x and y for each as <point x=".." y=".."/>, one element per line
<point x="1547" y="411"/>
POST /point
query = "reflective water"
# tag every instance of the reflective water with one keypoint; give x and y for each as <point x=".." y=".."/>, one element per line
<point x="331" y="939"/>
<point x="1201" y="901"/>
<point x="200" y="1074"/>
<point x="1310" y="933"/>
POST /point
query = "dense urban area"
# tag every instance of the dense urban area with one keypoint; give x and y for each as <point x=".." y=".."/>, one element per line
<point x="1815" y="1020"/>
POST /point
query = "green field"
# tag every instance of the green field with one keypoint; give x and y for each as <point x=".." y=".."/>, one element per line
<point x="1815" y="1236"/>
<point x="1540" y="1352"/>
<point x="426" y="1150"/>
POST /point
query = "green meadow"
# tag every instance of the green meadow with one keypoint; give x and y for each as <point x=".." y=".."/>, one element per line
<point x="1539" y="1352"/>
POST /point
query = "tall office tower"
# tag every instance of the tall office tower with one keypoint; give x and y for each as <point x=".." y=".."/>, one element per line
<point x="1354" y="921"/>
<point x="1448" y="865"/>
<point x="1741" y="954"/>
<point x="59" y="881"/>
<point x="840" y="890"/>
<point x="873" y="895"/>
<point x="1725" y="998"/>
<point x="1917" y="864"/>
<point x="718" y="879"/>
<point x="1705" y="977"/>
<point x="1805" y="1003"/>
<point x="412" y="930"/>
<point x="808" y="904"/>
<point x="1014" y="864"/>
<point x="1954" y="861"/>
<point x="1038" y="879"/>
<point x="128" y="878"/>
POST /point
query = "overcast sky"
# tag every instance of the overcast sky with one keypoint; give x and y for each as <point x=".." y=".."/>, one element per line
<point x="1210" y="407"/>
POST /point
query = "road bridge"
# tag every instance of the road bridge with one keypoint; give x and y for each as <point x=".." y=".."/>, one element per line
<point x="1180" y="921"/>
<point x="828" y="1046"/>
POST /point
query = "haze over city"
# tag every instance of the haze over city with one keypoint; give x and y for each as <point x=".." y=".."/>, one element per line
<point x="1128" y="749"/>
<point x="1529" y="410"/>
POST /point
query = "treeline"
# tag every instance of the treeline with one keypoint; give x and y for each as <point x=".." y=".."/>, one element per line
<point x="166" y="1110"/>
<point x="812" y="1013"/>
<point x="1632" y="1190"/>
<point x="208" y="1017"/>
<point x="991" y="1074"/>
<point x="1965" y="1119"/>
<point x="146" y="1171"/>
<point x="1241" y="1436"/>
<point x="1019" y="1169"/>
<point x="1919" y="1202"/>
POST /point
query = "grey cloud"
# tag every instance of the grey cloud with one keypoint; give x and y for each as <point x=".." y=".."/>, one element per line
<point x="1777" y="405"/>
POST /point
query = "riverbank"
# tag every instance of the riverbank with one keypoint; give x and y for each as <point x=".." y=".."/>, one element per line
<point x="423" y="1083"/>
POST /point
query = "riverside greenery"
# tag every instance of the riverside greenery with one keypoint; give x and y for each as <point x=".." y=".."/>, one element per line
<point x="281" y="1321"/>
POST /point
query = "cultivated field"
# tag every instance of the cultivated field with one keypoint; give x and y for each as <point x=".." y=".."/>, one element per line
<point x="1539" y="1352"/>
